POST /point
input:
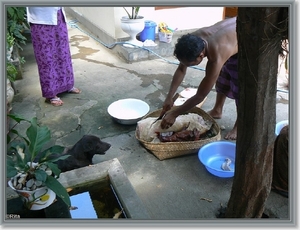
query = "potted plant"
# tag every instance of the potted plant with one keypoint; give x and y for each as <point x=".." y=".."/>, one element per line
<point x="134" y="12"/>
<point x="31" y="167"/>
<point x="132" y="24"/>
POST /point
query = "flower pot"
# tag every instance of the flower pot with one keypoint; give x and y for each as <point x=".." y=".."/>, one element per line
<point x="132" y="27"/>
<point x="37" y="199"/>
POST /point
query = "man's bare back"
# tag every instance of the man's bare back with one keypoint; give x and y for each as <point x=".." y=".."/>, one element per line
<point x="221" y="39"/>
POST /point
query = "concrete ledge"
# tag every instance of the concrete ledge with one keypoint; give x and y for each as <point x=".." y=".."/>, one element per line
<point x="103" y="171"/>
<point x="125" y="192"/>
<point x="144" y="53"/>
<point x="113" y="170"/>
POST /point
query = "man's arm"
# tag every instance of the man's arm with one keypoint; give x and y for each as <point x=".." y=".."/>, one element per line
<point x="176" y="81"/>
<point x="212" y="72"/>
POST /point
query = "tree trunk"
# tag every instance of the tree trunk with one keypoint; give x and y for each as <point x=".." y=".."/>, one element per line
<point x="260" y="31"/>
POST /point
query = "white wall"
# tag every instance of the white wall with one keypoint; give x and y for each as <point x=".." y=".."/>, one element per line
<point x="102" y="17"/>
<point x="183" y="18"/>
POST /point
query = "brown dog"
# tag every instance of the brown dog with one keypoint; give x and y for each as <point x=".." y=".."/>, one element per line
<point x="82" y="153"/>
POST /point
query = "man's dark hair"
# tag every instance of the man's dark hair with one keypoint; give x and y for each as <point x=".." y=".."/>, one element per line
<point x="188" y="47"/>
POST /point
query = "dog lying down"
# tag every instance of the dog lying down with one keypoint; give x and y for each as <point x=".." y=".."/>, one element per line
<point x="82" y="153"/>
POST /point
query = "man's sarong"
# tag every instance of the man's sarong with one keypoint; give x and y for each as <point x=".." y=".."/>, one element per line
<point x="227" y="82"/>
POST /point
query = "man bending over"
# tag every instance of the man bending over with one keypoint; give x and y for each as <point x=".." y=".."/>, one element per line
<point x="219" y="44"/>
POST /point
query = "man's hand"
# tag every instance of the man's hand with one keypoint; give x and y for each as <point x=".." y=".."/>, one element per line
<point x="168" y="104"/>
<point x="168" y="120"/>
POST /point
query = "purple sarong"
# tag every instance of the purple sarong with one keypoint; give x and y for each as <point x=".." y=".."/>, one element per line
<point x="227" y="82"/>
<point x="53" y="57"/>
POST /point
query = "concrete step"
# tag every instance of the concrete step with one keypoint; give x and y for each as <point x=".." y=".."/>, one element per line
<point x="161" y="50"/>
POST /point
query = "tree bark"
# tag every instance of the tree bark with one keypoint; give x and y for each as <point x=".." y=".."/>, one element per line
<point x="260" y="32"/>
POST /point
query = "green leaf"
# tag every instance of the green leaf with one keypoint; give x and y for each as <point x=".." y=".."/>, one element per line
<point x="8" y="139"/>
<point x="57" y="187"/>
<point x="56" y="171"/>
<point x="10" y="11"/>
<point x="16" y="117"/>
<point x="14" y="146"/>
<point x="54" y="166"/>
<point x="11" y="71"/>
<point x="51" y="154"/>
<point x="14" y="157"/>
<point x="136" y="11"/>
<point x="40" y="175"/>
<point x="127" y="12"/>
<point x="132" y="12"/>
<point x="18" y="134"/>
<point x="11" y="171"/>
<point x="62" y="157"/>
<point x="10" y="161"/>
<point x="38" y="137"/>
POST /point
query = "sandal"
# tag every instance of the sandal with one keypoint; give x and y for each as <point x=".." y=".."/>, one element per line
<point x="74" y="90"/>
<point x="55" y="101"/>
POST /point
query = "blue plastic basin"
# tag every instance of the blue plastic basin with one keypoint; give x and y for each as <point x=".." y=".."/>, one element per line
<point x="214" y="154"/>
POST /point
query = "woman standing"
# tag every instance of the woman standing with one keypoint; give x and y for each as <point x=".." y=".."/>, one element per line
<point x="50" y="42"/>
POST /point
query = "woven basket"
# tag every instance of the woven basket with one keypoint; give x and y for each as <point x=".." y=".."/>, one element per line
<point x="165" y="150"/>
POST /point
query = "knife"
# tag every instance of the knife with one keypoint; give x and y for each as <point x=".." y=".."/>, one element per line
<point x="161" y="116"/>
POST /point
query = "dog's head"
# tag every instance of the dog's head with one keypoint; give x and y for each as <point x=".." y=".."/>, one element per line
<point x="93" y="145"/>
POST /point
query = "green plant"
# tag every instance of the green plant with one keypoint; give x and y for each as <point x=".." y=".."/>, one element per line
<point x="10" y="41"/>
<point x="11" y="71"/>
<point x="26" y="158"/>
<point x="134" y="12"/>
<point x="17" y="24"/>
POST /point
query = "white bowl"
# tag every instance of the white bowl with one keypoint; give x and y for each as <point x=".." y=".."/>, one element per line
<point x="280" y="125"/>
<point x="180" y="101"/>
<point x="188" y="92"/>
<point x="128" y="111"/>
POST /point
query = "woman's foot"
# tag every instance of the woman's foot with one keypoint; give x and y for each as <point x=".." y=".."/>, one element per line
<point x="74" y="90"/>
<point x="55" y="101"/>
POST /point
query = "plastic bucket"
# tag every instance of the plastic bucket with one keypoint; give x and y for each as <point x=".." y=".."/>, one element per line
<point x="149" y="31"/>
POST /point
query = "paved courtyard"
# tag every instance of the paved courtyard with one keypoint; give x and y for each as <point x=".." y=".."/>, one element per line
<point x="171" y="189"/>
